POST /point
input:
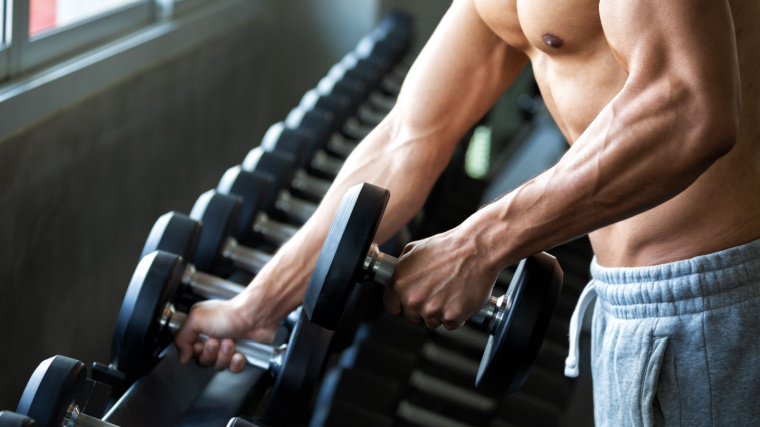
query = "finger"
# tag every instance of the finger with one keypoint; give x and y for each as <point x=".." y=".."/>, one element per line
<point x="210" y="353"/>
<point x="185" y="340"/>
<point x="226" y="352"/>
<point x="197" y="349"/>
<point x="238" y="363"/>
<point x="432" y="323"/>
<point x="412" y="316"/>
<point x="391" y="301"/>
<point x="456" y="324"/>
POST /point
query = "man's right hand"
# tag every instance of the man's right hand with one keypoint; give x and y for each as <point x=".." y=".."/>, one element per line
<point x="233" y="319"/>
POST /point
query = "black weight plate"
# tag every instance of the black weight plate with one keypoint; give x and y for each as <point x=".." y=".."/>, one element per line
<point x="300" y="372"/>
<point x="254" y="188"/>
<point x="318" y="122"/>
<point x="219" y="214"/>
<point x="138" y="339"/>
<point x="55" y="384"/>
<point x="175" y="233"/>
<point x="339" y="266"/>
<point x="280" y="166"/>
<point x="337" y="104"/>
<point x="513" y="347"/>
<point x="12" y="419"/>
<point x="292" y="142"/>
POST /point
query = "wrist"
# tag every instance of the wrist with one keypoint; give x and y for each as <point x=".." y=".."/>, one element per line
<point x="495" y="241"/>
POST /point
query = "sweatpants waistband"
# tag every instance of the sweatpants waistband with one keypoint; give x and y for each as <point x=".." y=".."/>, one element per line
<point x="703" y="283"/>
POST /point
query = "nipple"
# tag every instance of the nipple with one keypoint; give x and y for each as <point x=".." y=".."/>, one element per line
<point x="553" y="41"/>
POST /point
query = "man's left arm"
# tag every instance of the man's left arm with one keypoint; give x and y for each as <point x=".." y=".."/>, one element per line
<point x="676" y="114"/>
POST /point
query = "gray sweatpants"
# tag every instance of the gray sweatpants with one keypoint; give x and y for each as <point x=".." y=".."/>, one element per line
<point x="678" y="343"/>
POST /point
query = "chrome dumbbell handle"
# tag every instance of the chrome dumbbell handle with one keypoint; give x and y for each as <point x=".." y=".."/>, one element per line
<point x="248" y="259"/>
<point x="310" y="185"/>
<point x="295" y="209"/>
<point x="380" y="267"/>
<point x="274" y="231"/>
<point x="209" y="287"/>
<point x="262" y="356"/>
<point x="326" y="163"/>
<point x="341" y="145"/>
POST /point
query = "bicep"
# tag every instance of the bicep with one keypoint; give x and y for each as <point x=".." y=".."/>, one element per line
<point x="460" y="73"/>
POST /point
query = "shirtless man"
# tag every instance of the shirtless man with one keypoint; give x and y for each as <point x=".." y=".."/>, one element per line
<point x="663" y="172"/>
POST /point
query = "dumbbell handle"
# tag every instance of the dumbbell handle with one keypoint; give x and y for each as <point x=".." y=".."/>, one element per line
<point x="275" y="231"/>
<point x="207" y="286"/>
<point x="74" y="418"/>
<point x="295" y="209"/>
<point x="212" y="287"/>
<point x="380" y="267"/>
<point x="263" y="356"/>
<point x="248" y="259"/>
<point x="325" y="163"/>
<point x="309" y="184"/>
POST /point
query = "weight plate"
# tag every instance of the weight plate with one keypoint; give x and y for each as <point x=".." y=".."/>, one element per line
<point x="53" y="387"/>
<point x="138" y="339"/>
<point x="339" y="266"/>
<point x="254" y="188"/>
<point x="296" y="380"/>
<point x="12" y="419"/>
<point x="279" y="165"/>
<point x="292" y="142"/>
<point x="513" y="347"/>
<point x="318" y="122"/>
<point x="175" y="233"/>
<point x="219" y="215"/>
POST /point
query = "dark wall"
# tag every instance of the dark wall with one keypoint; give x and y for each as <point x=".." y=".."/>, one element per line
<point x="80" y="190"/>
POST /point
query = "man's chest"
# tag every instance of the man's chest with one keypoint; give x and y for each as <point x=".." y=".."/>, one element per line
<point x="547" y="26"/>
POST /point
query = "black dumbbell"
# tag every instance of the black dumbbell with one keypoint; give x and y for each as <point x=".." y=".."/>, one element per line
<point x="55" y="395"/>
<point x="255" y="226"/>
<point x="516" y="321"/>
<point x="218" y="249"/>
<point x="365" y="116"/>
<point x="148" y="321"/>
<point x="300" y="142"/>
<point x="281" y="167"/>
<point x="12" y="419"/>
<point x="179" y="234"/>
<point x="327" y="98"/>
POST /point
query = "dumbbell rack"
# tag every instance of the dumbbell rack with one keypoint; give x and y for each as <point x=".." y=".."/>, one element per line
<point x="424" y="378"/>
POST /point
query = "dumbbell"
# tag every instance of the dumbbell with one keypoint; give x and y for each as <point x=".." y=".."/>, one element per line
<point x="255" y="226"/>
<point x="377" y="104"/>
<point x="516" y="322"/>
<point x="182" y="235"/>
<point x="12" y="419"/>
<point x="304" y="142"/>
<point x="281" y="167"/>
<point x="148" y="320"/>
<point x="55" y="395"/>
<point x="179" y="234"/>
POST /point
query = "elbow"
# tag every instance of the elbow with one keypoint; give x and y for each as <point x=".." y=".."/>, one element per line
<point x="713" y="134"/>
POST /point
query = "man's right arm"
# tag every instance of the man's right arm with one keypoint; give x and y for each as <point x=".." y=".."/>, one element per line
<point x="460" y="73"/>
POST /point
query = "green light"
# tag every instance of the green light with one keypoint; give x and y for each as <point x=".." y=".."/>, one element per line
<point x="478" y="157"/>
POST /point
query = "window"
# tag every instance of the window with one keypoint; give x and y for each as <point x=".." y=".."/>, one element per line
<point x="37" y="33"/>
<point x="50" y="14"/>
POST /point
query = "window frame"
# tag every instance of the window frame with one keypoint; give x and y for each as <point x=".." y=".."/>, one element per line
<point x="30" y="52"/>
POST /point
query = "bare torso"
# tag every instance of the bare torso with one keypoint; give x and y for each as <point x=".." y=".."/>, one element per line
<point x="578" y="75"/>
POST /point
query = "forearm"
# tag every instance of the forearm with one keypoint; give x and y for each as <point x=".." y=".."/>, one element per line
<point x="647" y="146"/>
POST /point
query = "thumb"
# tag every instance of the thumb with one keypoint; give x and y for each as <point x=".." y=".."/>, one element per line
<point x="184" y="340"/>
